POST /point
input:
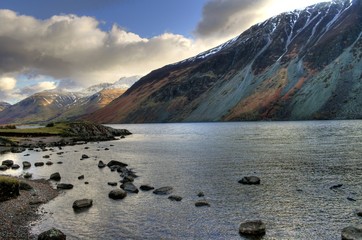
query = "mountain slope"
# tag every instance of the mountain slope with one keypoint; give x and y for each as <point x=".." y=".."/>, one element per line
<point x="4" y="105"/>
<point x="304" y="64"/>
<point x="39" y="107"/>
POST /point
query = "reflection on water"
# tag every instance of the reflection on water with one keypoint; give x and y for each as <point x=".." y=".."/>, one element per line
<point x="297" y="162"/>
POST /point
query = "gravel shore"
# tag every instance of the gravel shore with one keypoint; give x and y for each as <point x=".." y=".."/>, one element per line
<point x="17" y="214"/>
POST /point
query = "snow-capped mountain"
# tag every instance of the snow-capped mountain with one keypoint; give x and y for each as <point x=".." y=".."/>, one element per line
<point x="56" y="105"/>
<point x="304" y="64"/>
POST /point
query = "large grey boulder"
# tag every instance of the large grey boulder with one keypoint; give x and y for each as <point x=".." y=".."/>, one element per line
<point x="52" y="234"/>
<point x="82" y="203"/>
<point x="117" y="194"/>
<point x="352" y="233"/>
<point x="252" y="228"/>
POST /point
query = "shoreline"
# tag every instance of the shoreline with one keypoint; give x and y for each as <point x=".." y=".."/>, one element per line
<point x="17" y="214"/>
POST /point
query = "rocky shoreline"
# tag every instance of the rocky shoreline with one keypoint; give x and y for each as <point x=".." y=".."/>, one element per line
<point x="17" y="214"/>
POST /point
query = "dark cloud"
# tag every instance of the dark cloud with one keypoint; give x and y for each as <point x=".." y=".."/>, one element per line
<point x="227" y="18"/>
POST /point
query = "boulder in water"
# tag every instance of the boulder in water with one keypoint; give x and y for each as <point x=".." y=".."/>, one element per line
<point x="252" y="228"/>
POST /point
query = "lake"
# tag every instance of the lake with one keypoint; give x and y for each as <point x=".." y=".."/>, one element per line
<point x="297" y="162"/>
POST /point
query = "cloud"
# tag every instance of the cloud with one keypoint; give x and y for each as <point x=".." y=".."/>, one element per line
<point x="39" y="87"/>
<point x="225" y="19"/>
<point x="75" y="50"/>
<point x="7" y="84"/>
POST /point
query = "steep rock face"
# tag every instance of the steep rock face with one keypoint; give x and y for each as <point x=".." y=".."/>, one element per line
<point x="304" y="64"/>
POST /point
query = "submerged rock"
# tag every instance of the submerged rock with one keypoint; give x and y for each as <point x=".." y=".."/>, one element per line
<point x="52" y="234"/>
<point x="200" y="194"/>
<point x="116" y="163"/>
<point x="146" y="187"/>
<point x="351" y="233"/>
<point x="117" y="194"/>
<point x="175" y="198"/>
<point x="202" y="203"/>
<point x="252" y="228"/>
<point x="251" y="180"/>
<point x="129" y="187"/>
<point x="82" y="203"/>
<point x="336" y="186"/>
<point x="163" y="191"/>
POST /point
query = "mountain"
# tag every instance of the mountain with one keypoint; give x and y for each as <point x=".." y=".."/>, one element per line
<point x="304" y="64"/>
<point x="4" y="105"/>
<point x="39" y="107"/>
<point x="60" y="105"/>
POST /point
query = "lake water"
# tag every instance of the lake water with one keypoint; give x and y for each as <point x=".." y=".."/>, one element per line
<point x="297" y="162"/>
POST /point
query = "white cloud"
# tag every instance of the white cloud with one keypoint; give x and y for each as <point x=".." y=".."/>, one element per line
<point x="7" y="84"/>
<point x="74" y="49"/>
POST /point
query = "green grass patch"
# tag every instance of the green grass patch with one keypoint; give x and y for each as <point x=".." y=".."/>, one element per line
<point x="56" y="129"/>
<point x="9" y="188"/>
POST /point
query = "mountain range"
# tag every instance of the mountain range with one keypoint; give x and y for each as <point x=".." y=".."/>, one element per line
<point x="304" y="64"/>
<point x="57" y="105"/>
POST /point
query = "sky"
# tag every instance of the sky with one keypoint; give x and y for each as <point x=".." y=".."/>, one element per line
<point x="68" y="44"/>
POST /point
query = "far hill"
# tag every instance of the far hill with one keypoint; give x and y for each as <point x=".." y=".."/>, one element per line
<point x="4" y="105"/>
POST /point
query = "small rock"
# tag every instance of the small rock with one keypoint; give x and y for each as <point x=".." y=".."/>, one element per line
<point x="82" y="203"/>
<point x="81" y="177"/>
<point x="3" y="167"/>
<point x="127" y="179"/>
<point x="200" y="194"/>
<point x="46" y="156"/>
<point x="15" y="166"/>
<point x="25" y="186"/>
<point x="116" y="163"/>
<point x="55" y="176"/>
<point x="106" y="149"/>
<point x="101" y="164"/>
<point x="117" y="194"/>
<point x="175" y="198"/>
<point x="60" y="162"/>
<point x="84" y="156"/>
<point x="129" y="187"/>
<point x="52" y="234"/>
<point x="49" y="163"/>
<point x="336" y="186"/>
<point x="86" y="183"/>
<point x="38" y="164"/>
<point x="7" y="163"/>
<point x="351" y="233"/>
<point x="86" y="147"/>
<point x="252" y="228"/>
<point x="163" y="191"/>
<point x="36" y="202"/>
<point x="28" y="175"/>
<point x="146" y="187"/>
<point x="351" y="199"/>
<point x="64" y="186"/>
<point x="112" y="184"/>
<point x="252" y="180"/>
<point x="26" y="164"/>
<point x="359" y="213"/>
<point x="202" y="204"/>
